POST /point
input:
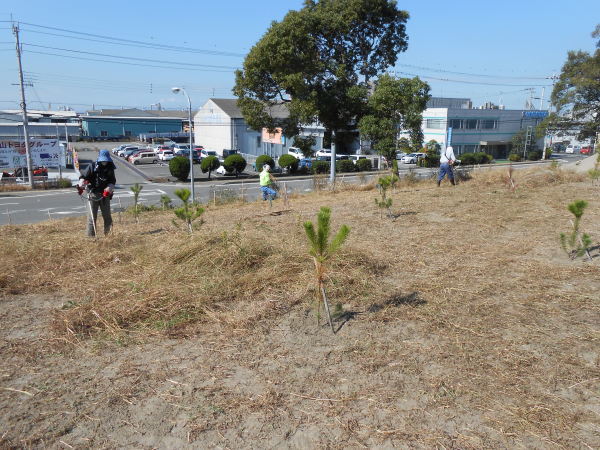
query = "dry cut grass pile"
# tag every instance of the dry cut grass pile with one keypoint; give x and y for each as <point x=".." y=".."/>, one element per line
<point x="461" y="322"/>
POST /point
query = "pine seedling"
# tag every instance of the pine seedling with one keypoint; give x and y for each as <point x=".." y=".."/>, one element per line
<point x="576" y="243"/>
<point x="165" y="202"/>
<point x="136" y="189"/>
<point x="322" y="250"/>
<point x="189" y="211"/>
<point x="384" y="184"/>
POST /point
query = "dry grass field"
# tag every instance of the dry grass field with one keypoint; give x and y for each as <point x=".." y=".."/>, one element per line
<point x="460" y="323"/>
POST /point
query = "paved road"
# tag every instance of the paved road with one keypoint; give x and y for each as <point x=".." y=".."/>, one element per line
<point x="31" y="207"/>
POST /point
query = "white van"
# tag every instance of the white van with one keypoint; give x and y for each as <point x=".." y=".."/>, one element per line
<point x="147" y="157"/>
<point x="570" y="149"/>
<point x="296" y="152"/>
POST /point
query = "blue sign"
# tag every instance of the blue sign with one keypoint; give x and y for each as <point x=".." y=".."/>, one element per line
<point x="535" y="114"/>
<point x="449" y="137"/>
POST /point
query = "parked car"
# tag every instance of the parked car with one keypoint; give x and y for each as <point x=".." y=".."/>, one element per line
<point x="162" y="148"/>
<point x="305" y="162"/>
<point x="295" y="151"/>
<point x="144" y="157"/>
<point x="323" y="152"/>
<point x="570" y="149"/>
<point x="179" y="147"/>
<point x="412" y="158"/>
<point x="186" y="153"/>
<point x="21" y="172"/>
<point x="400" y="155"/>
<point x="205" y="153"/>
<point x="166" y="155"/>
<point x="586" y="150"/>
<point x="126" y="151"/>
<point x="355" y="158"/>
<point x="116" y="150"/>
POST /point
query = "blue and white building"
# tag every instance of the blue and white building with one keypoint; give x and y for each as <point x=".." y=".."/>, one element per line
<point x="120" y="123"/>
<point x="487" y="129"/>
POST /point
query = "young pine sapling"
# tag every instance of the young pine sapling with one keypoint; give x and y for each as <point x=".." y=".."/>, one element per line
<point x="165" y="202"/>
<point x="510" y="180"/>
<point x="384" y="184"/>
<point x="321" y="251"/>
<point x="189" y="211"/>
<point x="136" y="189"/>
<point x="576" y="243"/>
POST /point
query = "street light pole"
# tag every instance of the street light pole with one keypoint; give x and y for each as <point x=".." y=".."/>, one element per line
<point x="176" y="90"/>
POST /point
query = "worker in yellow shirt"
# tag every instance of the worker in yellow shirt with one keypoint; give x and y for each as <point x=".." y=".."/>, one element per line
<point x="266" y="182"/>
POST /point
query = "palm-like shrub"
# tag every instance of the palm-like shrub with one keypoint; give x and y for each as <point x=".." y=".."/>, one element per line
<point x="136" y="189"/>
<point x="384" y="184"/>
<point x="321" y="251"/>
<point x="576" y="243"/>
<point x="189" y="211"/>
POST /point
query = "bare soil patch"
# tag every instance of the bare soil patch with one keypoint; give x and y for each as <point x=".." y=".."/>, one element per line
<point x="461" y="324"/>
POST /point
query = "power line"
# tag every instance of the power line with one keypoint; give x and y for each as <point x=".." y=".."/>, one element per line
<point x="128" y="64"/>
<point x="131" y="41"/>
<point x="141" y="45"/>
<point x="473" y="74"/>
<point x="468" y="82"/>
<point x="129" y="57"/>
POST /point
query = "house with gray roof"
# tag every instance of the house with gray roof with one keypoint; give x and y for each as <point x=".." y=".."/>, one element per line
<point x="219" y="125"/>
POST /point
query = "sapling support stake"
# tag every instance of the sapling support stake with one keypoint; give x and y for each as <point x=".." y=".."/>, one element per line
<point x="120" y="209"/>
<point x="321" y="293"/>
<point x="9" y="218"/>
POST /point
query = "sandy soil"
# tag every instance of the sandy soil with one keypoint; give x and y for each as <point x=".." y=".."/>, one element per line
<point x="486" y="340"/>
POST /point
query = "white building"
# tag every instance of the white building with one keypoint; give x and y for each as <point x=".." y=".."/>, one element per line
<point x="219" y="125"/>
<point x="487" y="130"/>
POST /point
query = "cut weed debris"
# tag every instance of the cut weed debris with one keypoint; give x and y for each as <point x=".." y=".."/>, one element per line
<point x="465" y="325"/>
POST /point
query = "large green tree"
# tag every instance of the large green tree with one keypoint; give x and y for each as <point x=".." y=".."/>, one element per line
<point x="318" y="61"/>
<point x="396" y="105"/>
<point x="576" y="94"/>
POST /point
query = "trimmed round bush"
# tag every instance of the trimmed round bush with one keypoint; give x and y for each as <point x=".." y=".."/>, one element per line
<point x="364" y="165"/>
<point x="64" y="183"/>
<point x="262" y="160"/>
<point x="514" y="157"/>
<point x="468" y="159"/>
<point x="320" y="167"/>
<point x="209" y="164"/>
<point x="534" y="156"/>
<point x="234" y="163"/>
<point x="344" y="166"/>
<point x="180" y="167"/>
<point x="288" y="162"/>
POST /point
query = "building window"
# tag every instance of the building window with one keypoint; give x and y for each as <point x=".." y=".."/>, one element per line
<point x="436" y="124"/>
<point x="257" y="141"/>
<point x="469" y="148"/>
<point x="103" y="133"/>
<point x="456" y="124"/>
<point x="471" y="124"/>
<point x="127" y="133"/>
<point x="488" y="124"/>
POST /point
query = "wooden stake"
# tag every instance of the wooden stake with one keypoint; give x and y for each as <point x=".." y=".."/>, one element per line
<point x="9" y="218"/>
<point x="326" y="303"/>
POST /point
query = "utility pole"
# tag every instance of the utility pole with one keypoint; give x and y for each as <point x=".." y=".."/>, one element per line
<point x="24" y="108"/>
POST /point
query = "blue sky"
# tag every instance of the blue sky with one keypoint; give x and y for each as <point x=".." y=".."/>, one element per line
<point x="487" y="51"/>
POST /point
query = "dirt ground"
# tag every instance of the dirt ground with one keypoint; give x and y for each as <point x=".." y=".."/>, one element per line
<point x="478" y="333"/>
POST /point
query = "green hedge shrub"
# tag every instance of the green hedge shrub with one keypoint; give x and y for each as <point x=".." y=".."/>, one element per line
<point x="344" y="166"/>
<point x="514" y="157"/>
<point x="262" y="160"/>
<point x="234" y="163"/>
<point x="320" y="167"/>
<point x="180" y="167"/>
<point x="534" y="156"/>
<point x="64" y="183"/>
<point x="364" y="165"/>
<point x="209" y="164"/>
<point x="288" y="162"/>
<point x="470" y="159"/>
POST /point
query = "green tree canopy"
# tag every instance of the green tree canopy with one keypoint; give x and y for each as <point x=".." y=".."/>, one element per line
<point x="318" y="61"/>
<point x="576" y="95"/>
<point x="395" y="105"/>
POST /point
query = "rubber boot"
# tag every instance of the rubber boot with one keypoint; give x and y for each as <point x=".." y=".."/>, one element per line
<point x="439" y="182"/>
<point x="452" y="181"/>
